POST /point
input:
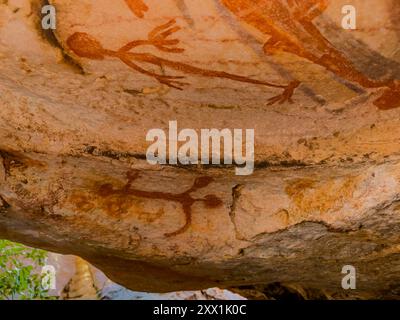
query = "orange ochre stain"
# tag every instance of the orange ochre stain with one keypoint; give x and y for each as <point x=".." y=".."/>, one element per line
<point x="319" y="197"/>
<point x="116" y="206"/>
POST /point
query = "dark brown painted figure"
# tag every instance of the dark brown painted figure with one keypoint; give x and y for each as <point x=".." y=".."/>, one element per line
<point x="184" y="198"/>
<point x="86" y="46"/>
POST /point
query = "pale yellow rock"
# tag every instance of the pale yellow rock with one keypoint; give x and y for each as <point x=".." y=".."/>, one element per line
<point x="74" y="117"/>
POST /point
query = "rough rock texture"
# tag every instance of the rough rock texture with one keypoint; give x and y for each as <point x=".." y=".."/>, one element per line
<point x="76" y="104"/>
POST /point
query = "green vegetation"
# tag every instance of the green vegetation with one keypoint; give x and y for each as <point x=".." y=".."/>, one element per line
<point x="20" y="272"/>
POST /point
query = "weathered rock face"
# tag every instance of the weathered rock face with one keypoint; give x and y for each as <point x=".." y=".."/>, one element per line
<point x="75" y="107"/>
<point x="78" y="280"/>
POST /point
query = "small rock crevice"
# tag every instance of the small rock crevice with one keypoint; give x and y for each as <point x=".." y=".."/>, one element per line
<point x="4" y="205"/>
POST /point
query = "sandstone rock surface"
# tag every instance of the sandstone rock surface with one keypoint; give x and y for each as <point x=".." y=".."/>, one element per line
<point x="76" y="104"/>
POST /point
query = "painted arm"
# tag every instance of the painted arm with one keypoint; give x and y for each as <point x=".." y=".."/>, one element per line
<point x="138" y="7"/>
<point x="158" y="38"/>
